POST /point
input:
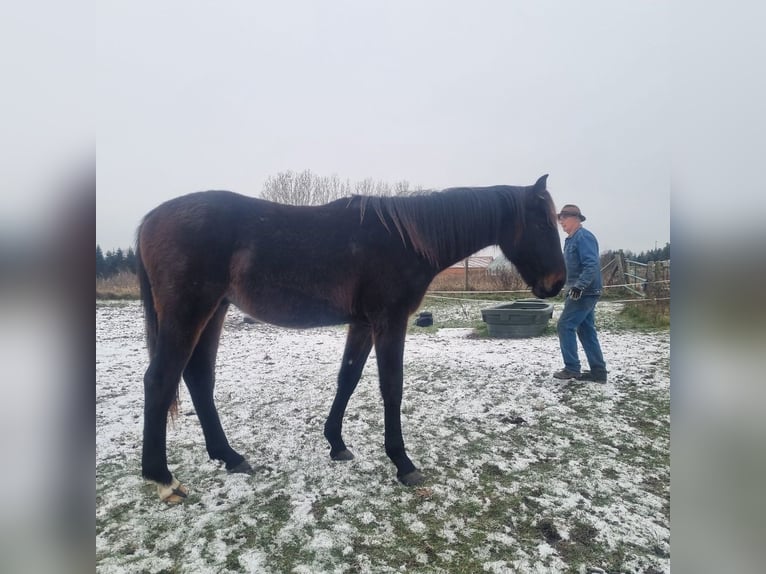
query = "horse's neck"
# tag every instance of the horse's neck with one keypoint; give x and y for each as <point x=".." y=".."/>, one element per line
<point x="461" y="254"/>
<point x="481" y="236"/>
<point x="442" y="230"/>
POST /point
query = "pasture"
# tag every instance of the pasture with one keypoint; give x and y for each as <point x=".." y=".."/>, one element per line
<point x="524" y="473"/>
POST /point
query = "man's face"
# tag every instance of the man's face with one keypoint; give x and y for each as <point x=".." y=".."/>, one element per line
<point x="569" y="223"/>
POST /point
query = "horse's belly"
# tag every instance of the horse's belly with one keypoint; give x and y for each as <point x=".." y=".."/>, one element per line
<point x="295" y="312"/>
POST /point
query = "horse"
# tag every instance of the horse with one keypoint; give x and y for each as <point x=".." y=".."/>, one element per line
<point x="365" y="261"/>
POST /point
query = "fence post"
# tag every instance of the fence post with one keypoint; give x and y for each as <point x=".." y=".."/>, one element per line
<point x="651" y="278"/>
<point x="619" y="257"/>
<point x="466" y="273"/>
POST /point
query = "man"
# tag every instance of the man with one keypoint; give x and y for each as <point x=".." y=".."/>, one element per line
<point x="583" y="290"/>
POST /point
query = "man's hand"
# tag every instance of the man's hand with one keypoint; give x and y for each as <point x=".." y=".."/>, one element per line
<point x="575" y="293"/>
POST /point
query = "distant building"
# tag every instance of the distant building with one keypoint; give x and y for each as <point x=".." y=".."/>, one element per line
<point x="476" y="264"/>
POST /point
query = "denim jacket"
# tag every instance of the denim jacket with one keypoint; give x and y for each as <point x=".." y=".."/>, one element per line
<point x="583" y="262"/>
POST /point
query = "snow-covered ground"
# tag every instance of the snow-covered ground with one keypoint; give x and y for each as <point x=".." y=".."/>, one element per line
<point x="525" y="473"/>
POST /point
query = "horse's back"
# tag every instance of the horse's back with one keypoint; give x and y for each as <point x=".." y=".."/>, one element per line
<point x="284" y="264"/>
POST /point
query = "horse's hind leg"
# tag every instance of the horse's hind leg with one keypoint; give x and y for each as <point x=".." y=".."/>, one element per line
<point x="358" y="346"/>
<point x="178" y="332"/>
<point x="160" y="392"/>
<point x="199" y="376"/>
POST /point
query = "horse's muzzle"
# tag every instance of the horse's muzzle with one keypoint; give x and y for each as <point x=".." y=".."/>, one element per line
<point x="549" y="287"/>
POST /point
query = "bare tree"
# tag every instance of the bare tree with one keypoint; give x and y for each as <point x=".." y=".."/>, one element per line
<point x="306" y="188"/>
<point x="364" y="186"/>
<point x="402" y="187"/>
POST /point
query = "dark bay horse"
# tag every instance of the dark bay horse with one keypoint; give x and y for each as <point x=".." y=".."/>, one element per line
<point x="364" y="261"/>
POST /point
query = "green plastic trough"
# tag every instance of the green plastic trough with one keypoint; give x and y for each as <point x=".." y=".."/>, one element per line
<point x="520" y="319"/>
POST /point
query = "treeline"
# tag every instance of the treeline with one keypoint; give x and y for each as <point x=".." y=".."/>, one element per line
<point x="657" y="254"/>
<point x="114" y="262"/>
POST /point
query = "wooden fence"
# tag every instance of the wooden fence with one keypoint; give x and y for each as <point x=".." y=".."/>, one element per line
<point x="647" y="280"/>
<point x="621" y="276"/>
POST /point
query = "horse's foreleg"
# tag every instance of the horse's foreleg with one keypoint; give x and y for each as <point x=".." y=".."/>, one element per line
<point x="389" y="349"/>
<point x="358" y="346"/>
<point x="200" y="380"/>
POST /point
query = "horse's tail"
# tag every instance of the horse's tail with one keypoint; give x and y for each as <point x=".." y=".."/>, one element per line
<point x="147" y="299"/>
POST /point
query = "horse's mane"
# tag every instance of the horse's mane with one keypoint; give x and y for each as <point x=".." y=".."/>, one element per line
<point x="440" y="224"/>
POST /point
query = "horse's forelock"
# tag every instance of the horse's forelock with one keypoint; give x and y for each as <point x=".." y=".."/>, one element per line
<point x="542" y="197"/>
<point x="548" y="199"/>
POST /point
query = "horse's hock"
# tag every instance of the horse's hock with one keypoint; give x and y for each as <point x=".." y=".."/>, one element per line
<point x="520" y="319"/>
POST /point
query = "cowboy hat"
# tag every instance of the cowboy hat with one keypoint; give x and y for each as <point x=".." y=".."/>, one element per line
<point x="571" y="210"/>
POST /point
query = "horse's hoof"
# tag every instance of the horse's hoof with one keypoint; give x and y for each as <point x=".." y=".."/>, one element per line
<point x="412" y="478"/>
<point x="172" y="494"/>
<point x="242" y="468"/>
<point x="342" y="455"/>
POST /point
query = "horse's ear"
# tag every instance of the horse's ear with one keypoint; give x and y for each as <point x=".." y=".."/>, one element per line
<point x="540" y="185"/>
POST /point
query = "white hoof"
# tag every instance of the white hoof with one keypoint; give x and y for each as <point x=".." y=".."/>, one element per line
<point x="173" y="493"/>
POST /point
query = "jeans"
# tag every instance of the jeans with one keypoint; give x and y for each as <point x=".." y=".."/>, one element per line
<point x="577" y="321"/>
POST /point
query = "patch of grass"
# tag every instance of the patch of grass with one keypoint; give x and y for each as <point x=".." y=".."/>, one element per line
<point x="548" y="531"/>
<point x="582" y="533"/>
<point x="657" y="485"/>
<point x="646" y="315"/>
<point x="583" y="548"/>
<point x="232" y="561"/>
<point x="413" y="328"/>
<point x="319" y="507"/>
<point x="272" y="513"/>
<point x="290" y="555"/>
<point x="123" y="286"/>
<point x="480" y="330"/>
<point x="116" y="514"/>
<point x="416" y="547"/>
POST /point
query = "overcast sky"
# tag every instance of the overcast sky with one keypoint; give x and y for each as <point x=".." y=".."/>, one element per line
<point x="222" y="95"/>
